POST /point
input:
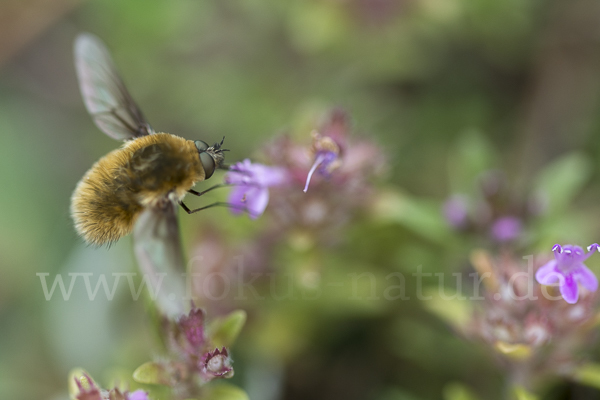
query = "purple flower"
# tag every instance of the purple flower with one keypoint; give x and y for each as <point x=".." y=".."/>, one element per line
<point x="251" y="183"/>
<point x="138" y="395"/>
<point x="568" y="270"/>
<point x="506" y="228"/>
<point x="455" y="211"/>
<point x="327" y="158"/>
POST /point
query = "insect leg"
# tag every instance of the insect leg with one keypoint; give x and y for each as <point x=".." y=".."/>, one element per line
<point x="195" y="193"/>
<point x="182" y="204"/>
<point x="219" y="203"/>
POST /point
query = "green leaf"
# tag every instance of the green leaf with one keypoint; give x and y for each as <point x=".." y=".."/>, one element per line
<point x="588" y="374"/>
<point x="518" y="351"/>
<point x="458" y="391"/>
<point x="455" y="309"/>
<point x="152" y="373"/>
<point x="397" y="394"/>
<point x="523" y="394"/>
<point x="224" y="391"/>
<point x="560" y="181"/>
<point x="224" y="330"/>
<point x="315" y="26"/>
<point x="472" y="156"/>
<point x="419" y="215"/>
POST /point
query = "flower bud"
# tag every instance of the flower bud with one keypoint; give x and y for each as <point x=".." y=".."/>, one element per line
<point x="217" y="364"/>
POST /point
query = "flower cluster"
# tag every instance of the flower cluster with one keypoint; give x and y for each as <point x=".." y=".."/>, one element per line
<point x="527" y="324"/>
<point x="315" y="188"/>
<point x="192" y="361"/>
<point x="495" y="212"/>
<point x="193" y="351"/>
<point x="212" y="255"/>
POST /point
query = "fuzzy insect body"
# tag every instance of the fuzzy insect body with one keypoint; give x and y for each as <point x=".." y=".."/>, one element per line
<point x="150" y="168"/>
<point x="112" y="194"/>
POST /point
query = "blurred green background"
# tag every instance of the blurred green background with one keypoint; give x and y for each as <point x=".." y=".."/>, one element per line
<point x="429" y="80"/>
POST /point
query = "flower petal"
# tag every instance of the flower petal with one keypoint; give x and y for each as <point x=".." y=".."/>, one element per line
<point x="548" y="274"/>
<point x="239" y="173"/>
<point x="237" y="197"/>
<point x="506" y="228"/>
<point x="318" y="160"/>
<point x="257" y="202"/>
<point x="267" y="176"/>
<point x="138" y="395"/>
<point x="455" y="211"/>
<point x="569" y="289"/>
<point x="246" y="173"/>
<point x="586" y="277"/>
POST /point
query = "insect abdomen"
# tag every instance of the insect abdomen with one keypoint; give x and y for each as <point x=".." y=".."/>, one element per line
<point x="111" y="195"/>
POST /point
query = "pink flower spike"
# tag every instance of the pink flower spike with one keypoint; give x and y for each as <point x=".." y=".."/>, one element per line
<point x="192" y="326"/>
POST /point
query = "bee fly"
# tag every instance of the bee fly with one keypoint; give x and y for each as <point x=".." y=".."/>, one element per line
<point x="149" y="169"/>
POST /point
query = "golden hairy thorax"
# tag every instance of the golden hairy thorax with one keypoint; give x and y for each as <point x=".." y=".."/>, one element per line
<point x="111" y="195"/>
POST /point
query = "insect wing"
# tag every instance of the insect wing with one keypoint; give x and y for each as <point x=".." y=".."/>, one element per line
<point x="159" y="254"/>
<point x="104" y="93"/>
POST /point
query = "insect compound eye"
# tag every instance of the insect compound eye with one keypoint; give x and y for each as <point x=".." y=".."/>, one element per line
<point x="208" y="163"/>
<point x="201" y="146"/>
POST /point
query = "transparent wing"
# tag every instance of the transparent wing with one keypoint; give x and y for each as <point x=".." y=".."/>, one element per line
<point x="158" y="250"/>
<point x="104" y="93"/>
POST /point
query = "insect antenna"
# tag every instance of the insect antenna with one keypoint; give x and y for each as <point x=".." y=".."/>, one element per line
<point x="217" y="146"/>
